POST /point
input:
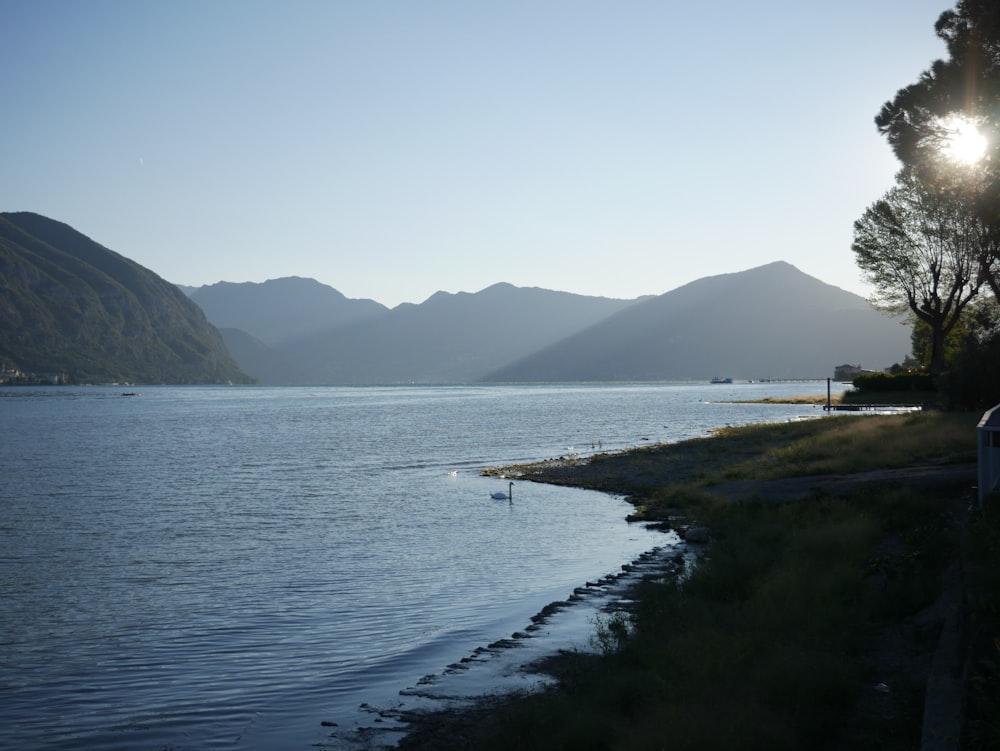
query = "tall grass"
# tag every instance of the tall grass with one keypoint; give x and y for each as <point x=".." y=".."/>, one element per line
<point x="852" y="444"/>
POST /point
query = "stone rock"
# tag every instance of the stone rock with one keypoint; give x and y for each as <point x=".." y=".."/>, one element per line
<point x="697" y="535"/>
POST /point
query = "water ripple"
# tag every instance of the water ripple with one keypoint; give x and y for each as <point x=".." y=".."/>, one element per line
<point x="222" y="568"/>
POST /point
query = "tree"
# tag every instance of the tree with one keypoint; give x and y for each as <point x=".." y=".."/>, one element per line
<point x="973" y="379"/>
<point x="920" y="250"/>
<point x="956" y="99"/>
<point x="919" y="120"/>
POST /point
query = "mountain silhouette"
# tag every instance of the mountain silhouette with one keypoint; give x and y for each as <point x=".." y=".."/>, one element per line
<point x="299" y="331"/>
<point x="449" y="338"/>
<point x="267" y="366"/>
<point x="768" y="322"/>
<point x="772" y="321"/>
<point x="281" y="310"/>
<point x="71" y="306"/>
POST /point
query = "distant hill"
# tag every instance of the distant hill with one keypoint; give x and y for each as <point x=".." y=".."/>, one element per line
<point x="768" y="322"/>
<point x="71" y="306"/>
<point x="267" y="366"/>
<point x="281" y="310"/>
<point x="449" y="338"/>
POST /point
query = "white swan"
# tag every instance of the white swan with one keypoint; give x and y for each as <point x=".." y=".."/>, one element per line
<point x="508" y="496"/>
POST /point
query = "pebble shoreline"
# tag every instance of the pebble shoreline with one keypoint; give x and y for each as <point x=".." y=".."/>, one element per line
<point x="512" y="664"/>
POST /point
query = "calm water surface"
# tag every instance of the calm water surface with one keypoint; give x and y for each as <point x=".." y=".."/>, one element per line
<point x="205" y="568"/>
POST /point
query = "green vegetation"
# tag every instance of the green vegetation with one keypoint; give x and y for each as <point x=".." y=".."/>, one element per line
<point x="807" y="624"/>
<point x="76" y="312"/>
<point x="880" y="383"/>
<point x="920" y="248"/>
<point x="927" y="123"/>
<point x="930" y="399"/>
<point x="931" y="245"/>
<point x="848" y="444"/>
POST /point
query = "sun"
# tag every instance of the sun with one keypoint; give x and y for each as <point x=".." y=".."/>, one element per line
<point x="961" y="140"/>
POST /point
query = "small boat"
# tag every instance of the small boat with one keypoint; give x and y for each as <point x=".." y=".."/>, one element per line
<point x="722" y="380"/>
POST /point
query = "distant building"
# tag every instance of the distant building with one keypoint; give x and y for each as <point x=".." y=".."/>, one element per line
<point x="10" y="374"/>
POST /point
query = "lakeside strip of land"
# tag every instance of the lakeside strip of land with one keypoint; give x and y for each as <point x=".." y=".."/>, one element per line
<point x="812" y="624"/>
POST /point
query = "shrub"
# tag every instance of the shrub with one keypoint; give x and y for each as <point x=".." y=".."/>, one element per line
<point x="883" y="382"/>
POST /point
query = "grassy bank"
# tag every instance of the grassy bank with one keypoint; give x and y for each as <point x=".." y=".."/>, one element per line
<point x="810" y="624"/>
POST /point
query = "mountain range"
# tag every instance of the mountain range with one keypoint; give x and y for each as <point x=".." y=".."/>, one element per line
<point x="69" y="305"/>
<point x="72" y="310"/>
<point x="768" y="322"/>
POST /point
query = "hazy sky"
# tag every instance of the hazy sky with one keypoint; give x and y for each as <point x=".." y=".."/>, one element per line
<point x="395" y="148"/>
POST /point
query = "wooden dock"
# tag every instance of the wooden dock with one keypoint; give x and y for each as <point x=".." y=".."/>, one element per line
<point x="872" y="407"/>
<point x="830" y="407"/>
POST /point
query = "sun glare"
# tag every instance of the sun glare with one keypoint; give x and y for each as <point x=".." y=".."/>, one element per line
<point x="961" y="140"/>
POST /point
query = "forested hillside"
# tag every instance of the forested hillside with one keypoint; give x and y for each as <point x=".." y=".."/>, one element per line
<point x="73" y="310"/>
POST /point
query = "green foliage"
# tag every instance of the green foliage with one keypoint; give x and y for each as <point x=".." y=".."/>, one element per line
<point x="612" y="632"/>
<point x="973" y="379"/>
<point x="915" y="122"/>
<point x="968" y="84"/>
<point x="921" y="339"/>
<point x="921" y="249"/>
<point x="874" y="383"/>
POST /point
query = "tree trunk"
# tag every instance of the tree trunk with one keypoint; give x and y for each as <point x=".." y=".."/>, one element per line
<point x="937" y="350"/>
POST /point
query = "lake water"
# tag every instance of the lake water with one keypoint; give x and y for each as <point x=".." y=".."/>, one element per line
<point x="226" y="568"/>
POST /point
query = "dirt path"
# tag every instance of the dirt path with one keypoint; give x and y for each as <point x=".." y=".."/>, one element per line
<point x="793" y="488"/>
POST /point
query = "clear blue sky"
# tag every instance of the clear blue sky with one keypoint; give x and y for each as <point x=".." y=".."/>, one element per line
<point x="393" y="148"/>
